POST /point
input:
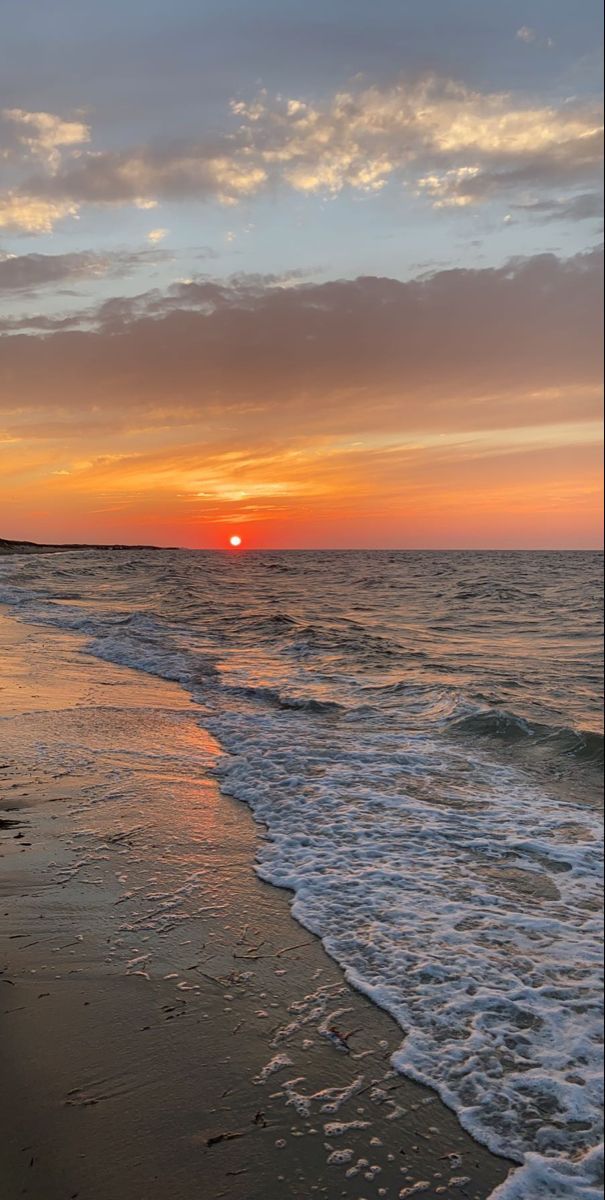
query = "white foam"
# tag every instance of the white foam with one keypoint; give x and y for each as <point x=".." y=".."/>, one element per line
<point x="467" y="909"/>
<point x="338" y="1128"/>
<point x="556" y="1178"/>
<point x="278" y="1063"/>
<point x="338" y="1158"/>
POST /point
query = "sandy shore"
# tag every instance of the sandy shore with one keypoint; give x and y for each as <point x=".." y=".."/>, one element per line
<point x="168" y="1030"/>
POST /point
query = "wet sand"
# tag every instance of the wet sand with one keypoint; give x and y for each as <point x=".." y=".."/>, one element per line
<point x="168" y="1030"/>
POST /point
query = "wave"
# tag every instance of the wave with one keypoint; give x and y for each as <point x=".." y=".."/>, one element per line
<point x="310" y="704"/>
<point x="354" y="642"/>
<point x="584" y="745"/>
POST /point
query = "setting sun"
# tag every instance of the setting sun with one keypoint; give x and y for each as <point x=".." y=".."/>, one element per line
<point x="235" y="540"/>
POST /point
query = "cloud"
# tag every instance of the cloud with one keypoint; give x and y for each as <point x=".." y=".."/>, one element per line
<point x="525" y="34"/>
<point x="156" y="235"/>
<point x="362" y="138"/>
<point x="144" y="175"/>
<point x="531" y="37"/>
<point x="451" y="188"/>
<point x="27" y="273"/>
<point x="584" y="207"/>
<point x="459" y="350"/>
<point x="67" y="174"/>
<point x="454" y="145"/>
<point x="23" y="213"/>
<point x="39" y="135"/>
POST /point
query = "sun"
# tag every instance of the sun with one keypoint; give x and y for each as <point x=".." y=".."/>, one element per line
<point x="235" y="540"/>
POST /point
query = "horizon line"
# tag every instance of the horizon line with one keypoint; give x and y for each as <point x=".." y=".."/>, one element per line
<point x="307" y="549"/>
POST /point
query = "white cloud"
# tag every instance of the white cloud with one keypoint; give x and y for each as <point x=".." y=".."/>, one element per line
<point x="157" y="235"/>
<point x="361" y="139"/>
<point x="32" y="214"/>
<point x="44" y="135"/>
<point x="453" y="144"/>
<point x="532" y="37"/>
<point x="448" y="190"/>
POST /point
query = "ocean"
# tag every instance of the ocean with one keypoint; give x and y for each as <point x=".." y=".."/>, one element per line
<point x="420" y="735"/>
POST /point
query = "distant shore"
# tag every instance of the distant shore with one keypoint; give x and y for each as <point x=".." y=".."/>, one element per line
<point x="7" y="546"/>
<point x="167" y="1026"/>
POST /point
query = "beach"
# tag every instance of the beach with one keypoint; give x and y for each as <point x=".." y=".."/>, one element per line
<point x="167" y="1028"/>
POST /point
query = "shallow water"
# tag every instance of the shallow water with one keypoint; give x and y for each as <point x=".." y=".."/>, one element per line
<point x="420" y="732"/>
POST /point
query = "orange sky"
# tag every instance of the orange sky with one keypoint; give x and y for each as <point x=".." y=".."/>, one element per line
<point x="456" y="493"/>
<point x="459" y="411"/>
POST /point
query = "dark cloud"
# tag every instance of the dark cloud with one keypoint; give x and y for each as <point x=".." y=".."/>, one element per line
<point x="462" y="349"/>
<point x="223" y="168"/>
<point x="574" y="163"/>
<point x="30" y="272"/>
<point x="584" y="207"/>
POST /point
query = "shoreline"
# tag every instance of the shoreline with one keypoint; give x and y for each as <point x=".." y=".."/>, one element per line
<point x="168" y="1025"/>
<point x="9" y="546"/>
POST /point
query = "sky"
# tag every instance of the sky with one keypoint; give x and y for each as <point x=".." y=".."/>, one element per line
<point x="318" y="274"/>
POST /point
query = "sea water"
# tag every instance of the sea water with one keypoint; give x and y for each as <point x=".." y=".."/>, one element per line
<point x="421" y="735"/>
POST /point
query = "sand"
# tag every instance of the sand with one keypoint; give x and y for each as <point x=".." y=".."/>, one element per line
<point x="168" y="1030"/>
